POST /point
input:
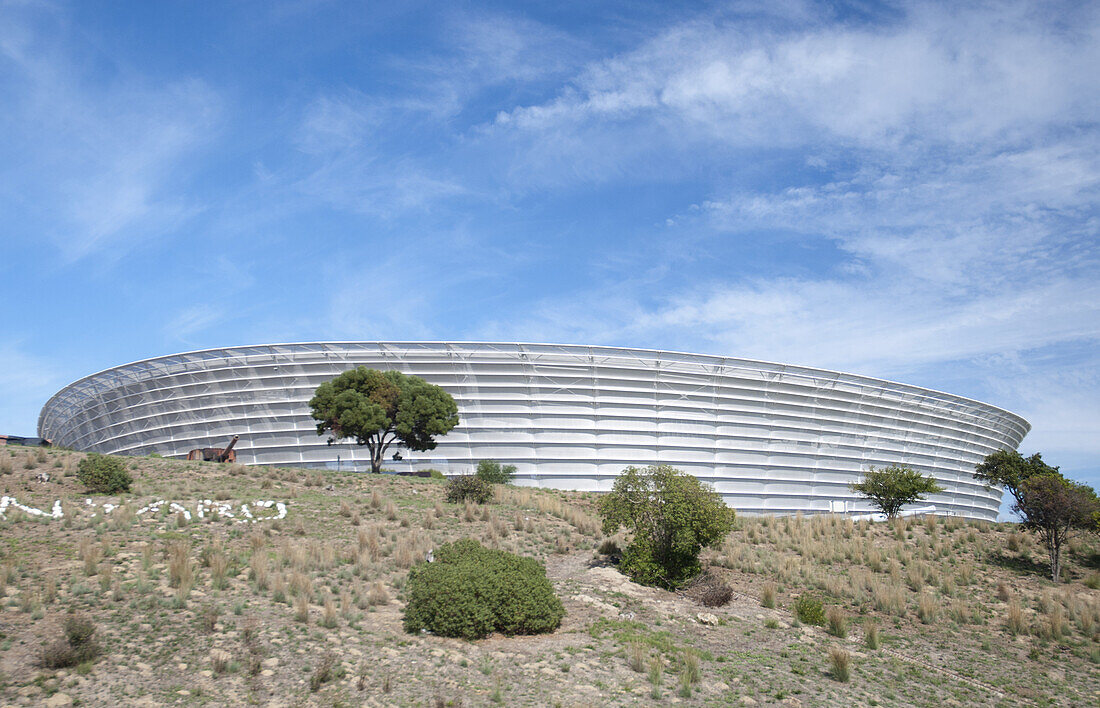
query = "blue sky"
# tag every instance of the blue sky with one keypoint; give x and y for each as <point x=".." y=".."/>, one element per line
<point x="899" y="190"/>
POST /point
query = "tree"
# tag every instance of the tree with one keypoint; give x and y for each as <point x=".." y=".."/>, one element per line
<point x="1009" y="469"/>
<point x="891" y="488"/>
<point x="672" y="516"/>
<point x="379" y="408"/>
<point x="1057" y="509"/>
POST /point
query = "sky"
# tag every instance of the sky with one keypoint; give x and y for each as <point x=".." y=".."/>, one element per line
<point x="901" y="190"/>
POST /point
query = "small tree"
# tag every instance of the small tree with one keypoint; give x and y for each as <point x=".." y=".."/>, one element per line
<point x="1056" y="509"/>
<point x="495" y="473"/>
<point x="379" y="408"/>
<point x="891" y="488"/>
<point x="672" y="516"/>
<point x="1009" y="469"/>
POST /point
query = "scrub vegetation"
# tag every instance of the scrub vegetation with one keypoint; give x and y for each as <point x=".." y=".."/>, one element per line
<point x="106" y="606"/>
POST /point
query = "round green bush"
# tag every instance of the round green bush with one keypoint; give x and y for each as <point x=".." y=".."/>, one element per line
<point x="469" y="487"/>
<point x="436" y="474"/>
<point x="470" y="591"/>
<point x="103" y="475"/>
<point x="808" y="610"/>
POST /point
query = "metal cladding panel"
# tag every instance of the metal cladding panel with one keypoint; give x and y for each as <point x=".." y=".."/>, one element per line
<point x="771" y="438"/>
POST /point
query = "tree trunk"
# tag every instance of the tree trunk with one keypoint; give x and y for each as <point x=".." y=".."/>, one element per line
<point x="1055" y="549"/>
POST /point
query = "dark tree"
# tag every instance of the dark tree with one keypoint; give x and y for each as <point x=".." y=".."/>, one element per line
<point x="672" y="516"/>
<point x="893" y="487"/>
<point x="1057" y="509"/>
<point x="1009" y="469"/>
<point x="380" y="408"/>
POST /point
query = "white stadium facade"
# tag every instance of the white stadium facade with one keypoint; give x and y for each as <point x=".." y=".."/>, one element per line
<point x="771" y="438"/>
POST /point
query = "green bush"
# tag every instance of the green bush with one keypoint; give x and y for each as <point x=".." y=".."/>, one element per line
<point x="470" y="591"/>
<point x="469" y="487"/>
<point x="494" y="473"/>
<point x="103" y="475"/>
<point x="808" y="610"/>
<point x="76" y="647"/>
<point x="436" y="474"/>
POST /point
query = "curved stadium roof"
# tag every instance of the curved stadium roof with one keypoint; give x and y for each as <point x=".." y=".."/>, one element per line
<point x="771" y="438"/>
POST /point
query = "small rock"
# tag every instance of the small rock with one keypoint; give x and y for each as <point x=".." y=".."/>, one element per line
<point x="707" y="618"/>
<point x="207" y="673"/>
<point x="143" y="667"/>
<point x="748" y="701"/>
<point x="267" y="672"/>
<point x="183" y="692"/>
<point x="59" y="699"/>
<point x="271" y="663"/>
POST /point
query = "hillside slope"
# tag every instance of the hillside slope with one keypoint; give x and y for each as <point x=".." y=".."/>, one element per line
<point x="240" y="606"/>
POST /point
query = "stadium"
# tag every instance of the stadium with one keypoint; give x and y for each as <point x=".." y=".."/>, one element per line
<point x="771" y="438"/>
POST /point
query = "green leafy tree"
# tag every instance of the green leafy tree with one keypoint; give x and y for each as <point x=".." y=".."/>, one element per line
<point x="891" y="488"/>
<point x="380" y="408"/>
<point x="1057" y="509"/>
<point x="495" y="473"/>
<point x="1009" y="469"/>
<point x="672" y="516"/>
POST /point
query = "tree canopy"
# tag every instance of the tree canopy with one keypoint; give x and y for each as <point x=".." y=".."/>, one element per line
<point x="1056" y="508"/>
<point x="891" y="488"/>
<point x="672" y="516"/>
<point x="380" y="408"/>
<point x="1009" y="469"/>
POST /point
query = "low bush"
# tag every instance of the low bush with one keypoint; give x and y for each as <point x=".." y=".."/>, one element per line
<point x="808" y="610"/>
<point x="436" y="474"/>
<point x="470" y="591"/>
<point x="102" y="474"/>
<point x="716" y="595"/>
<point x="494" y="473"/>
<point x="76" y="647"/>
<point x="469" y="487"/>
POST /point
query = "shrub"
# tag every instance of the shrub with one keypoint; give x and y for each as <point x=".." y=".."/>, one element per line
<point x="76" y="647"/>
<point x="470" y="591"/>
<point x="808" y="610"/>
<point x="103" y="475"/>
<point x="840" y="662"/>
<point x="436" y="474"/>
<point x="838" y="623"/>
<point x="767" y="596"/>
<point x="717" y="595"/>
<point x="469" y="487"/>
<point x="672" y="515"/>
<point x="871" y="636"/>
<point x="324" y="672"/>
<point x="607" y="547"/>
<point x="493" y="472"/>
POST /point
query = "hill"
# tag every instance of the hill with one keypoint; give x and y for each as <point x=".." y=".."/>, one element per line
<point x="226" y="584"/>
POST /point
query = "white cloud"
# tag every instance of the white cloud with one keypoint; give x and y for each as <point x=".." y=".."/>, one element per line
<point x="948" y="161"/>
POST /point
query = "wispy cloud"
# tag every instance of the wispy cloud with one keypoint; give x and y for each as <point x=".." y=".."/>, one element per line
<point x="91" y="156"/>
